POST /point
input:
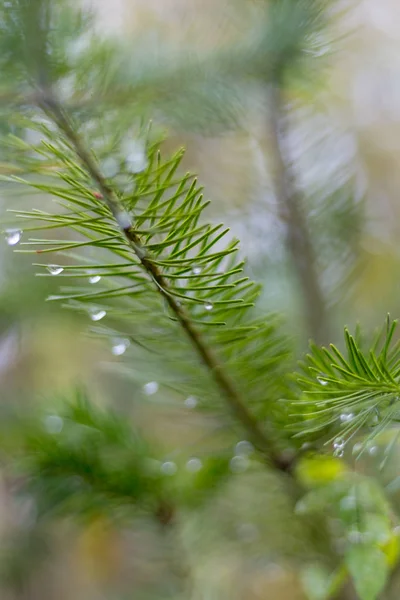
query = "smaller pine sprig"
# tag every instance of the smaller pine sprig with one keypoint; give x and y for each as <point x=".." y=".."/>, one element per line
<point x="351" y="392"/>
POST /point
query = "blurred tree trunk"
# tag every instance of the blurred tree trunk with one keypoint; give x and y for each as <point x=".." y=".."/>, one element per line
<point x="298" y="241"/>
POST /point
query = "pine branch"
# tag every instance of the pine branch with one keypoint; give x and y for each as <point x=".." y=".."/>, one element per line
<point x="347" y="394"/>
<point x="106" y="195"/>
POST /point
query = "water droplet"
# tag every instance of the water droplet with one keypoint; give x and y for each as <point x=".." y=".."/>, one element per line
<point x="208" y="306"/>
<point x="55" y="269"/>
<point x="96" y="314"/>
<point x="306" y="446"/>
<point x="135" y="152"/>
<point x="120" y="346"/>
<point x="338" y="453"/>
<point x="150" y="388"/>
<point x="375" y="419"/>
<point x="53" y="424"/>
<point x="348" y="503"/>
<point x="110" y="167"/>
<point x="339" y="443"/>
<point x="373" y="451"/>
<point x="357" y="448"/>
<point x="13" y="236"/>
<point x="136" y="162"/>
<point x="194" y="465"/>
<point x="300" y="507"/>
<point x="247" y="532"/>
<point x="191" y="402"/>
<point x="168" y="468"/>
<point x="393" y="486"/>
<point x="196" y="270"/>
<point x="355" y="537"/>
<point x="244" y="448"/>
<point x="239" y="464"/>
<point x="123" y="219"/>
<point x="94" y="278"/>
<point x="125" y="183"/>
<point x="346" y="417"/>
<point x="322" y="381"/>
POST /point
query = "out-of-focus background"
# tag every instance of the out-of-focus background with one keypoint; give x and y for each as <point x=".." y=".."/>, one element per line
<point x="344" y="135"/>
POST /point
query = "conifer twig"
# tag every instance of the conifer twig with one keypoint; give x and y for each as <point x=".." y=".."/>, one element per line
<point x="51" y="106"/>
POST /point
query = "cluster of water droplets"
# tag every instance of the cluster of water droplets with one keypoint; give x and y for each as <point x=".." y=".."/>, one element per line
<point x="193" y="465"/>
<point x="241" y="461"/>
<point x="346" y="417"/>
<point x="339" y="444"/>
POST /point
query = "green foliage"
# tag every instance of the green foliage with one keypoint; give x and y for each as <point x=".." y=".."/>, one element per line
<point x="368" y="568"/>
<point x="200" y="269"/>
<point x="135" y="257"/>
<point x="88" y="460"/>
<point x="347" y="393"/>
<point x="85" y="461"/>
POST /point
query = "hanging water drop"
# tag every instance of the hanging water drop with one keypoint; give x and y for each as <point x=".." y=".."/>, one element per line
<point x="346" y="417"/>
<point x="120" y="346"/>
<point x="55" y="269"/>
<point x="136" y="162"/>
<point x="97" y="314"/>
<point x="239" y="464"/>
<point x="196" y="270"/>
<point x="348" y="503"/>
<point x="191" y="402"/>
<point x="338" y="453"/>
<point x="376" y="418"/>
<point x="168" y="468"/>
<point x="135" y="151"/>
<point x="300" y="508"/>
<point x="355" y="537"/>
<point x="94" y="278"/>
<point x="53" y="424"/>
<point x="339" y="442"/>
<point x="322" y="381"/>
<point x="208" y="306"/>
<point x="373" y="450"/>
<point x="13" y="236"/>
<point x="194" y="465"/>
<point x="150" y="388"/>
<point x="244" y="448"/>
<point x="357" y="448"/>
<point x="110" y="167"/>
